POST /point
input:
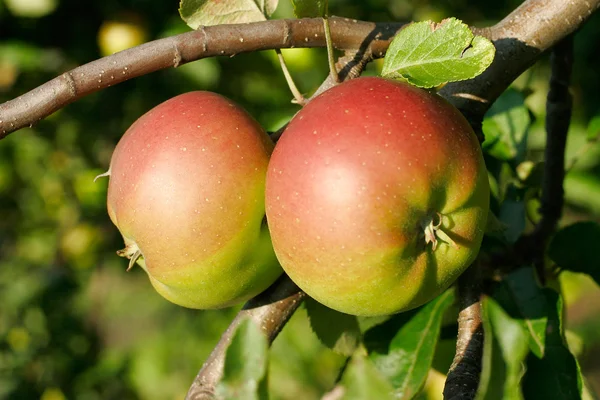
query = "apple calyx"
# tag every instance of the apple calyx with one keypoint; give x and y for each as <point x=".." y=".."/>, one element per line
<point x="433" y="230"/>
<point x="132" y="252"/>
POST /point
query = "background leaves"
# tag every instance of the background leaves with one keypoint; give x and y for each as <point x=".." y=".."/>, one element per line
<point x="310" y="8"/>
<point x="74" y="324"/>
<point x="573" y="248"/>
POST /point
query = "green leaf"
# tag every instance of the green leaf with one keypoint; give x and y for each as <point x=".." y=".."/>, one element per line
<point x="509" y="340"/>
<point x="214" y="12"/>
<point x="310" y="8"/>
<point x="245" y="366"/>
<point x="593" y="129"/>
<point x="574" y="248"/>
<point x="513" y="213"/>
<point x="491" y="380"/>
<point x="378" y="338"/>
<point x="428" y="54"/>
<point x="495" y="227"/>
<point x="363" y="381"/>
<point x="505" y="127"/>
<point x="524" y="300"/>
<point x="411" y="351"/>
<point x="556" y="375"/>
<point x="583" y="190"/>
<point x="531" y="173"/>
<point x="337" y="331"/>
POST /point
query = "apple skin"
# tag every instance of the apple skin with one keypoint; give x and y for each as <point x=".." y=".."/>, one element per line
<point x="186" y="189"/>
<point x="353" y="183"/>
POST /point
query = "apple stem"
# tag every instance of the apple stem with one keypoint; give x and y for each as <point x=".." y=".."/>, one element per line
<point x="107" y="173"/>
<point x="298" y="97"/>
<point x="332" y="69"/>
<point x="433" y="231"/>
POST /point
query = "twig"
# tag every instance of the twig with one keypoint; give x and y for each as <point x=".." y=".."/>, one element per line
<point x="350" y="66"/>
<point x="465" y="371"/>
<point x="298" y="97"/>
<point x="558" y="117"/>
<point x="330" y="57"/>
<point x="270" y="310"/>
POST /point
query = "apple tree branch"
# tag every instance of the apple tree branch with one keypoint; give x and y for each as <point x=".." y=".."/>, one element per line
<point x="559" y="105"/>
<point x="519" y="39"/>
<point x="270" y="310"/>
<point x="465" y="372"/>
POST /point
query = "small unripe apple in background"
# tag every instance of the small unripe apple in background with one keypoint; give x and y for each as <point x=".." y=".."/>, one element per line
<point x="121" y="33"/>
<point x="377" y="197"/>
<point x="186" y="191"/>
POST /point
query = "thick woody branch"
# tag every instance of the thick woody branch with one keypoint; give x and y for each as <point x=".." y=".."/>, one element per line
<point x="464" y="374"/>
<point x="519" y="39"/>
<point x="171" y="52"/>
<point x="270" y="310"/>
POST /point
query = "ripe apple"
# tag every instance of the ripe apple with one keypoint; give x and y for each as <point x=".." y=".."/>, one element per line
<point x="376" y="196"/>
<point x="186" y="191"/>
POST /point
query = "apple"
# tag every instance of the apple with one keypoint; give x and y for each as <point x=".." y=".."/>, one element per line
<point x="122" y="33"/>
<point x="186" y="191"/>
<point x="376" y="197"/>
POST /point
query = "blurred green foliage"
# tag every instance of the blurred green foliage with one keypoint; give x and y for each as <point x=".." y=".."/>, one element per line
<point x="73" y="324"/>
